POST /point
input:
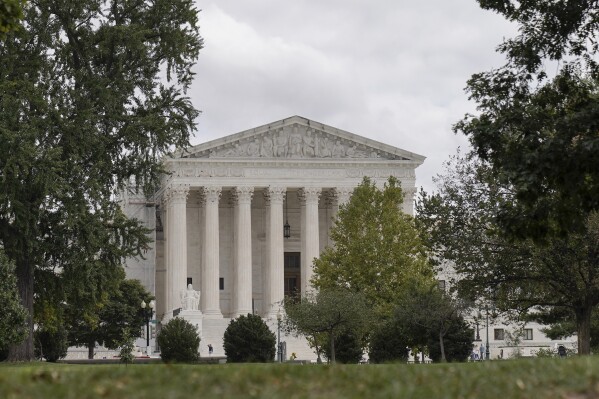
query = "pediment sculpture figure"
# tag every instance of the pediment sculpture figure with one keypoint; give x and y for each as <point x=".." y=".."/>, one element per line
<point x="190" y="298"/>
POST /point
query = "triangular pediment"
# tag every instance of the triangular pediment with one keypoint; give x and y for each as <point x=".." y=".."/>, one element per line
<point x="298" y="138"/>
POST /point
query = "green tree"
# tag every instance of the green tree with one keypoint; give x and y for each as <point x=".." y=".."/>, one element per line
<point x="457" y="342"/>
<point x="427" y="313"/>
<point x="121" y="314"/>
<point x="92" y="95"/>
<point x="248" y="339"/>
<point x="461" y="225"/>
<point x="561" y="324"/>
<point x="377" y="249"/>
<point x="178" y="341"/>
<point x="536" y="127"/>
<point x="13" y="316"/>
<point x="349" y="348"/>
<point x="127" y="346"/>
<point x="51" y="343"/>
<point x="11" y="13"/>
<point x="330" y="312"/>
<point x="389" y="342"/>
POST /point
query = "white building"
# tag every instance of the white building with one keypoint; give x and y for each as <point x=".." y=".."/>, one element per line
<point x="505" y="338"/>
<point x="219" y="216"/>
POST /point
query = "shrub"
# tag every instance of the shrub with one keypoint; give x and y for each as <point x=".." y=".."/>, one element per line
<point x="248" y="339"/>
<point x="3" y="354"/>
<point x="179" y="341"/>
<point x="457" y="342"/>
<point x="348" y="348"/>
<point x="127" y="346"/>
<point x="51" y="345"/>
<point x="545" y="352"/>
<point x="388" y="343"/>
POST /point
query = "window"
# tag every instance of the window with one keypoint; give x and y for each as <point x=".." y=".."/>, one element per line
<point x="291" y="285"/>
<point x="292" y="260"/>
<point x="441" y="285"/>
<point x="499" y="334"/>
<point x="189" y="280"/>
<point x="292" y="273"/>
<point x="528" y="334"/>
<point x="221" y="283"/>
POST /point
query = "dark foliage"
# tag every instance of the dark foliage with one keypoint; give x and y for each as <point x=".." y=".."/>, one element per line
<point x="51" y="345"/>
<point x="457" y="342"/>
<point x="248" y="339"/>
<point x="178" y="341"/>
<point x="348" y="348"/>
<point x="389" y="343"/>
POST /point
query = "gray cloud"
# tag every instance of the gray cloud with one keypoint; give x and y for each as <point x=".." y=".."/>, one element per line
<point x="393" y="71"/>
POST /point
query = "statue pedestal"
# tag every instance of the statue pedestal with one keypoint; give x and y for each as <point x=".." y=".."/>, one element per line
<point x="195" y="317"/>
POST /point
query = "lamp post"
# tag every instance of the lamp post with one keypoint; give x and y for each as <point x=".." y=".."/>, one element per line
<point x="286" y="226"/>
<point x="487" y="352"/>
<point x="476" y="320"/>
<point x="279" y="353"/>
<point x="148" y="310"/>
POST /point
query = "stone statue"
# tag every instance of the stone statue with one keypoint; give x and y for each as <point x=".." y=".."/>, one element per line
<point x="253" y="148"/>
<point x="338" y="150"/>
<point x="308" y="145"/>
<point x="190" y="298"/>
<point x="325" y="148"/>
<point x="295" y="144"/>
<point x="281" y="145"/>
<point x="266" y="147"/>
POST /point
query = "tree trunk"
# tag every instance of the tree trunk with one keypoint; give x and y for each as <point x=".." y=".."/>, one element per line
<point x="90" y="349"/>
<point x="23" y="352"/>
<point x="332" y="340"/>
<point x="442" y="345"/>
<point x="583" y="323"/>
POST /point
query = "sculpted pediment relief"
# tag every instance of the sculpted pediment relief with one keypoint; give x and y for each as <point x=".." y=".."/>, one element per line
<point x="294" y="138"/>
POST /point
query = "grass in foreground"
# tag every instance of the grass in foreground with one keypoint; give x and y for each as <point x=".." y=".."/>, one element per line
<point x="574" y="378"/>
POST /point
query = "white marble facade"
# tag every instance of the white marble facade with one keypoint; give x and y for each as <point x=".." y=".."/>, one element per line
<point x="219" y="215"/>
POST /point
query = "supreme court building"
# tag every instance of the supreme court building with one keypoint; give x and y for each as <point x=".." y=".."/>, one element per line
<point x="220" y="213"/>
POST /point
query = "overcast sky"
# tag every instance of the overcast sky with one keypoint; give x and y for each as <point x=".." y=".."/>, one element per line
<point x="390" y="70"/>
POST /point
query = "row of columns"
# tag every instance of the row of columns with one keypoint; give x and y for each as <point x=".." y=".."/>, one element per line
<point x="273" y="277"/>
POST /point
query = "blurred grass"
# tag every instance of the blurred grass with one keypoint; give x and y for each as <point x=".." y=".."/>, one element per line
<point x="573" y="378"/>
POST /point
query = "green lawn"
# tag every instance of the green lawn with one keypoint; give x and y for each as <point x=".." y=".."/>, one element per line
<point x="574" y="378"/>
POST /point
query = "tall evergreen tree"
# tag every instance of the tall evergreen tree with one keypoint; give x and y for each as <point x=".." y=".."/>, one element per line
<point x="11" y="12"/>
<point x="13" y="316"/>
<point x="92" y="93"/>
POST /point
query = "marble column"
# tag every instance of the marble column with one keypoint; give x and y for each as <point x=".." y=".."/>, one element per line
<point x="242" y="279"/>
<point x="210" y="295"/>
<point x="310" y="234"/>
<point x="273" y="276"/>
<point x="335" y="198"/>
<point x="340" y="197"/>
<point x="176" y="244"/>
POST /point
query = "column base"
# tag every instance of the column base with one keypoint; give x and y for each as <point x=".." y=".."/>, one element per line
<point x="238" y="313"/>
<point x="212" y="314"/>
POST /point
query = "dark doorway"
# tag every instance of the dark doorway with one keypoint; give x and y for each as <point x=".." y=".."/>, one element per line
<point x="293" y="273"/>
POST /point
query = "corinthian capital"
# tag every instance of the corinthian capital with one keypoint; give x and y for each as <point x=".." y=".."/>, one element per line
<point x="274" y="194"/>
<point x="342" y="194"/>
<point x="176" y="193"/>
<point x="242" y="194"/>
<point x="309" y="194"/>
<point x="212" y="193"/>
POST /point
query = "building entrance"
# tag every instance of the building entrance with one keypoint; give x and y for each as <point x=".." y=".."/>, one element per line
<point x="292" y="271"/>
